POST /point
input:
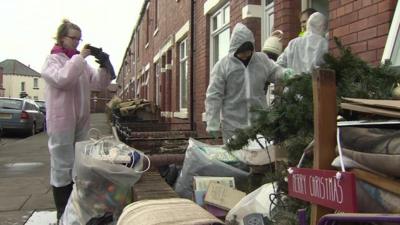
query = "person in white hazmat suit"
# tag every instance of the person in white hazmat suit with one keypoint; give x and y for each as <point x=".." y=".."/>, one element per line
<point x="237" y="84"/>
<point x="69" y="80"/>
<point x="305" y="53"/>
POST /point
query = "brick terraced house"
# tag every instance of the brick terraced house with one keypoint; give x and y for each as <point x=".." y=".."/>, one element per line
<point x="176" y="43"/>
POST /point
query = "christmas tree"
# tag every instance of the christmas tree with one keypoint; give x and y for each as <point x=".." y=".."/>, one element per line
<point x="288" y="122"/>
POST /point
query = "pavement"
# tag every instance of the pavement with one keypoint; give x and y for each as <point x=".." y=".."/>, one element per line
<point x="25" y="175"/>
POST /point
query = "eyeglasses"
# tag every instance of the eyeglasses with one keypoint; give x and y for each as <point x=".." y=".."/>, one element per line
<point x="75" y="38"/>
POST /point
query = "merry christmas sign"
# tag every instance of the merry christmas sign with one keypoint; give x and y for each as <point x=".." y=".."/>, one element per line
<point x="324" y="187"/>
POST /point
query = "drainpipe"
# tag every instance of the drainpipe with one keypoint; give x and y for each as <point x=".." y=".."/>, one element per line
<point x="192" y="19"/>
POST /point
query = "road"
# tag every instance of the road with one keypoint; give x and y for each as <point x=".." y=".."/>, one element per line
<point x="9" y="139"/>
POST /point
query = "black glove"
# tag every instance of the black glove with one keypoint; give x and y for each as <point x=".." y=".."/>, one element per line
<point x="97" y="52"/>
<point x="108" y="66"/>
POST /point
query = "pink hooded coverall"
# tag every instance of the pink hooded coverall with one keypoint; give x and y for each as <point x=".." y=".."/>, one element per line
<point x="69" y="82"/>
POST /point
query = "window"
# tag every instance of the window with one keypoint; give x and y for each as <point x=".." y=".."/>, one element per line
<point x="321" y="6"/>
<point x="220" y="34"/>
<point x="267" y="20"/>
<point x="22" y="86"/>
<point x="157" y="72"/>
<point x="395" y="58"/>
<point x="144" y="85"/>
<point x="156" y="14"/>
<point x="35" y="83"/>
<point x="183" y="75"/>
<point x="29" y="106"/>
<point x="147" y="26"/>
<point x="392" y="47"/>
<point x="35" y="98"/>
<point x="10" y="103"/>
<point x="138" y="41"/>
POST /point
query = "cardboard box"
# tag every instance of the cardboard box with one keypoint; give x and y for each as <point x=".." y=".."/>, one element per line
<point x="200" y="183"/>
<point x="222" y="196"/>
<point x="200" y="186"/>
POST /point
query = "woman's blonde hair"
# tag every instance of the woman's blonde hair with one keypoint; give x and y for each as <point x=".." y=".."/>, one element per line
<point x="63" y="29"/>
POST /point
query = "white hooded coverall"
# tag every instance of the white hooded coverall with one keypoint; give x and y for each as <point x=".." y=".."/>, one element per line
<point x="305" y="53"/>
<point x="235" y="88"/>
<point x="67" y="96"/>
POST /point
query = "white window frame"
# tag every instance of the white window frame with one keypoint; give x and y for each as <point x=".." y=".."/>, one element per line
<point x="265" y="28"/>
<point x="218" y="31"/>
<point x="144" y="83"/>
<point x="393" y="41"/>
<point x="147" y="28"/>
<point x="36" y="83"/>
<point x="183" y="61"/>
<point x="157" y="14"/>
<point x="23" y="87"/>
<point x="158" y="82"/>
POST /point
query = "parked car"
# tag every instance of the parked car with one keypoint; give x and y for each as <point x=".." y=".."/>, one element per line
<point x="42" y="106"/>
<point x="21" y="114"/>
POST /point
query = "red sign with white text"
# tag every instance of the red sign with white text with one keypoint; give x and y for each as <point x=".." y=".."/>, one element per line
<point x="321" y="187"/>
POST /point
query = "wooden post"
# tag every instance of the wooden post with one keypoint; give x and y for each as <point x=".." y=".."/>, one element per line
<point x="324" y="96"/>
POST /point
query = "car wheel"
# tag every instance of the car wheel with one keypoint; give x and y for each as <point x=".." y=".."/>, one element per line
<point x="33" y="130"/>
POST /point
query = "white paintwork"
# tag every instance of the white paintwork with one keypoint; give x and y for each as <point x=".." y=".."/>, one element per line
<point x="42" y="218"/>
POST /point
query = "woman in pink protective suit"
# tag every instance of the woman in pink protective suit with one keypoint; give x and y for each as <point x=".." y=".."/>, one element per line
<point x="69" y="80"/>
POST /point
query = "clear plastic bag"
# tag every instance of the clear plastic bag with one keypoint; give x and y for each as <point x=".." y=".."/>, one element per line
<point x="255" y="202"/>
<point x="199" y="161"/>
<point x="102" y="182"/>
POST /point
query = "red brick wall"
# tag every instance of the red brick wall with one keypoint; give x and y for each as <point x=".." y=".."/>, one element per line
<point x="167" y="25"/>
<point x="286" y="18"/>
<point x="201" y="61"/>
<point x="362" y="25"/>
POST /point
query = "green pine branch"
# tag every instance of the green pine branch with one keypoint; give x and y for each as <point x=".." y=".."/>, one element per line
<point x="289" y="121"/>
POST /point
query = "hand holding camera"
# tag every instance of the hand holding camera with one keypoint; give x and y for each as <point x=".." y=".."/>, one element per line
<point x="102" y="58"/>
<point x="98" y="53"/>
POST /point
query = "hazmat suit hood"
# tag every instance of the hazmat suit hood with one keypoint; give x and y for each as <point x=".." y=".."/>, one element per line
<point x="303" y="54"/>
<point x="317" y="24"/>
<point x="240" y="35"/>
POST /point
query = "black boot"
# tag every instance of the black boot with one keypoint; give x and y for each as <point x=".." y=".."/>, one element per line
<point x="61" y="195"/>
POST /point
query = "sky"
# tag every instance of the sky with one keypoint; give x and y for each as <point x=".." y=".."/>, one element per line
<point x="28" y="27"/>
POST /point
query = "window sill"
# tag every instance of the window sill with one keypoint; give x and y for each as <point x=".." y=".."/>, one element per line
<point x="181" y="115"/>
<point x="36" y="88"/>
<point x="166" y="114"/>
<point x="203" y="117"/>
<point x="155" y="32"/>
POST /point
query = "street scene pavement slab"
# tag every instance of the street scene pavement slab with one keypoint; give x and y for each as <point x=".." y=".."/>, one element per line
<point x="25" y="193"/>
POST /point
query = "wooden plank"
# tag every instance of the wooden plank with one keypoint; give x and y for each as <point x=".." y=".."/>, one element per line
<point x="390" y="104"/>
<point x="371" y="110"/>
<point x="152" y="186"/>
<point x="324" y="97"/>
<point x="384" y="183"/>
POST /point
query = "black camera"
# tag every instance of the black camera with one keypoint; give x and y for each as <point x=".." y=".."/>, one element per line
<point x="97" y="53"/>
<point x="102" y="58"/>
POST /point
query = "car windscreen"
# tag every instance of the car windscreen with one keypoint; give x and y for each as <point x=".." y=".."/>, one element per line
<point x="40" y="104"/>
<point x="10" y="104"/>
